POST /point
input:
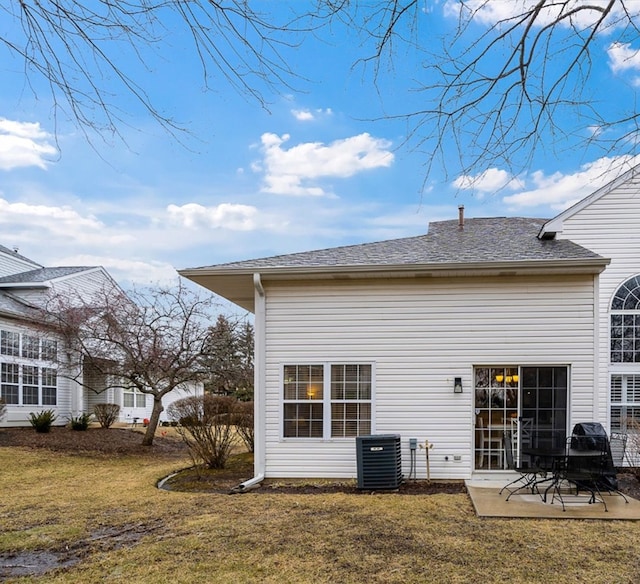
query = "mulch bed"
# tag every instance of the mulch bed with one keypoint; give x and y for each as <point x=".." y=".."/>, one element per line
<point x="123" y="441"/>
<point x="101" y="441"/>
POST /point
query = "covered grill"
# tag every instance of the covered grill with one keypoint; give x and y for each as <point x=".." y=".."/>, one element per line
<point x="592" y="436"/>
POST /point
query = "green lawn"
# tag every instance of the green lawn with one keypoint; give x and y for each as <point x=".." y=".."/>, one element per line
<point x="105" y="514"/>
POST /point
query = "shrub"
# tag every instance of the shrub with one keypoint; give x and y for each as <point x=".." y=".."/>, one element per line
<point x="42" y="420"/>
<point x="244" y="423"/>
<point x="81" y="422"/>
<point x="206" y="427"/>
<point x="3" y="409"/>
<point x="106" y="414"/>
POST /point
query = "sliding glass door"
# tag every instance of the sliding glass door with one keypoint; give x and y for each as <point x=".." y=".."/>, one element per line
<point x="527" y="405"/>
<point x="543" y="399"/>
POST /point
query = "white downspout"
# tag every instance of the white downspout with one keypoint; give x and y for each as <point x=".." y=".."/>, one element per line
<point x="259" y="390"/>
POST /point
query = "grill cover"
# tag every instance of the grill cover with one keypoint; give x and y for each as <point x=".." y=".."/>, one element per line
<point x="592" y="436"/>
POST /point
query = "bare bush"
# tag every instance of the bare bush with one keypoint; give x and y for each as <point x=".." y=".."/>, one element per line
<point x="244" y="424"/>
<point x="106" y="414"/>
<point x="206" y="425"/>
<point x="632" y="451"/>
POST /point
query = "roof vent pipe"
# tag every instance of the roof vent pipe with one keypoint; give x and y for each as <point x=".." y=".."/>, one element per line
<point x="461" y="216"/>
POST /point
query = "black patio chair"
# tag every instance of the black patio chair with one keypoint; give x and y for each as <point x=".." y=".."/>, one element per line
<point x="617" y="450"/>
<point x="618" y="444"/>
<point x="529" y="475"/>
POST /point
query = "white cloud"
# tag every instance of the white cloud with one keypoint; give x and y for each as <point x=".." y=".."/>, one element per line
<point x="226" y="215"/>
<point x="23" y="144"/>
<point x="623" y="58"/>
<point x="489" y="181"/>
<point x="491" y="12"/>
<point x="302" y="115"/>
<point x="58" y="221"/>
<point x="306" y="115"/>
<point x="560" y="191"/>
<point x="297" y="171"/>
<point x="125" y="270"/>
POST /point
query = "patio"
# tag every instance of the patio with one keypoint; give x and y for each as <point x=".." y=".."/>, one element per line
<point x="487" y="502"/>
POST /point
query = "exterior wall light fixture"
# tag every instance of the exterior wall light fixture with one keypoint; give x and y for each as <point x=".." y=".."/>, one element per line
<point x="457" y="385"/>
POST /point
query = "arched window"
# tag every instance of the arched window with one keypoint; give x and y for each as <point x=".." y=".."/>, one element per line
<point x="625" y="356"/>
<point x="625" y="323"/>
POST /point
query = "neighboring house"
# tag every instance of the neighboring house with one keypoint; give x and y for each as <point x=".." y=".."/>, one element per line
<point x="480" y="326"/>
<point x="29" y="361"/>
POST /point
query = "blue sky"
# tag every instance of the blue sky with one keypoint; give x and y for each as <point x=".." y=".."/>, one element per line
<point x="319" y="168"/>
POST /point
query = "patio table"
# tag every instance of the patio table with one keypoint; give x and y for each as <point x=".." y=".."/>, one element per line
<point x="548" y="459"/>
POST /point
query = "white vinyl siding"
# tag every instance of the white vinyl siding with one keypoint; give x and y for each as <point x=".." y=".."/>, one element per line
<point x="11" y="264"/>
<point x="422" y="334"/>
<point x="609" y="226"/>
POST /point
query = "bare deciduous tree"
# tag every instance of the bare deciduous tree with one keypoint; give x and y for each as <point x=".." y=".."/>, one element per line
<point x="89" y="53"/>
<point x="493" y="87"/>
<point x="509" y="76"/>
<point x="149" y="339"/>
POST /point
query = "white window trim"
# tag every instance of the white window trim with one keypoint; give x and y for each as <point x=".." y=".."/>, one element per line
<point x="326" y="400"/>
<point x="38" y="362"/>
<point x="135" y="393"/>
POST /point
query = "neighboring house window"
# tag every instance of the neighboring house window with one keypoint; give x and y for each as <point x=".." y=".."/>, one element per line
<point x="9" y="343"/>
<point x="49" y="386"/>
<point x="10" y="383"/>
<point x="30" y="347"/>
<point x="30" y="385"/>
<point x="133" y="398"/>
<point x="49" y="350"/>
<point x="23" y="381"/>
<point x="333" y="399"/>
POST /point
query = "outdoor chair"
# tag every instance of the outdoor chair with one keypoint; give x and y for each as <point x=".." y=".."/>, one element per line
<point x="489" y="442"/>
<point x="617" y="448"/>
<point x="529" y="475"/>
<point x="618" y="444"/>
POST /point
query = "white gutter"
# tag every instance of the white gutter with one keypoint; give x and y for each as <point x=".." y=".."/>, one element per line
<point x="543" y="267"/>
<point x="259" y="390"/>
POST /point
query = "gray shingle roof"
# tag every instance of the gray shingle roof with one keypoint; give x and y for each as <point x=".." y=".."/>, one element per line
<point x="496" y="239"/>
<point x="42" y="275"/>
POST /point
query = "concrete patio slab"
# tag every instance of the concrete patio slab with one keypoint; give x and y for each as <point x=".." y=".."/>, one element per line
<point x="487" y="502"/>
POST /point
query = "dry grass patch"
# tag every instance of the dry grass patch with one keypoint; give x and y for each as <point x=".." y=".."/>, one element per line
<point x="115" y="526"/>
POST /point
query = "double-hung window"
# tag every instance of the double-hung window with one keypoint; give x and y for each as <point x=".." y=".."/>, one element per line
<point x="133" y="398"/>
<point x="329" y="400"/>
<point x="10" y="383"/>
<point x="28" y="374"/>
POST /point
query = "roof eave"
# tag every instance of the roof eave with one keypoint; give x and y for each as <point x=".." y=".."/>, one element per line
<point x="236" y="284"/>
<point x="39" y="285"/>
